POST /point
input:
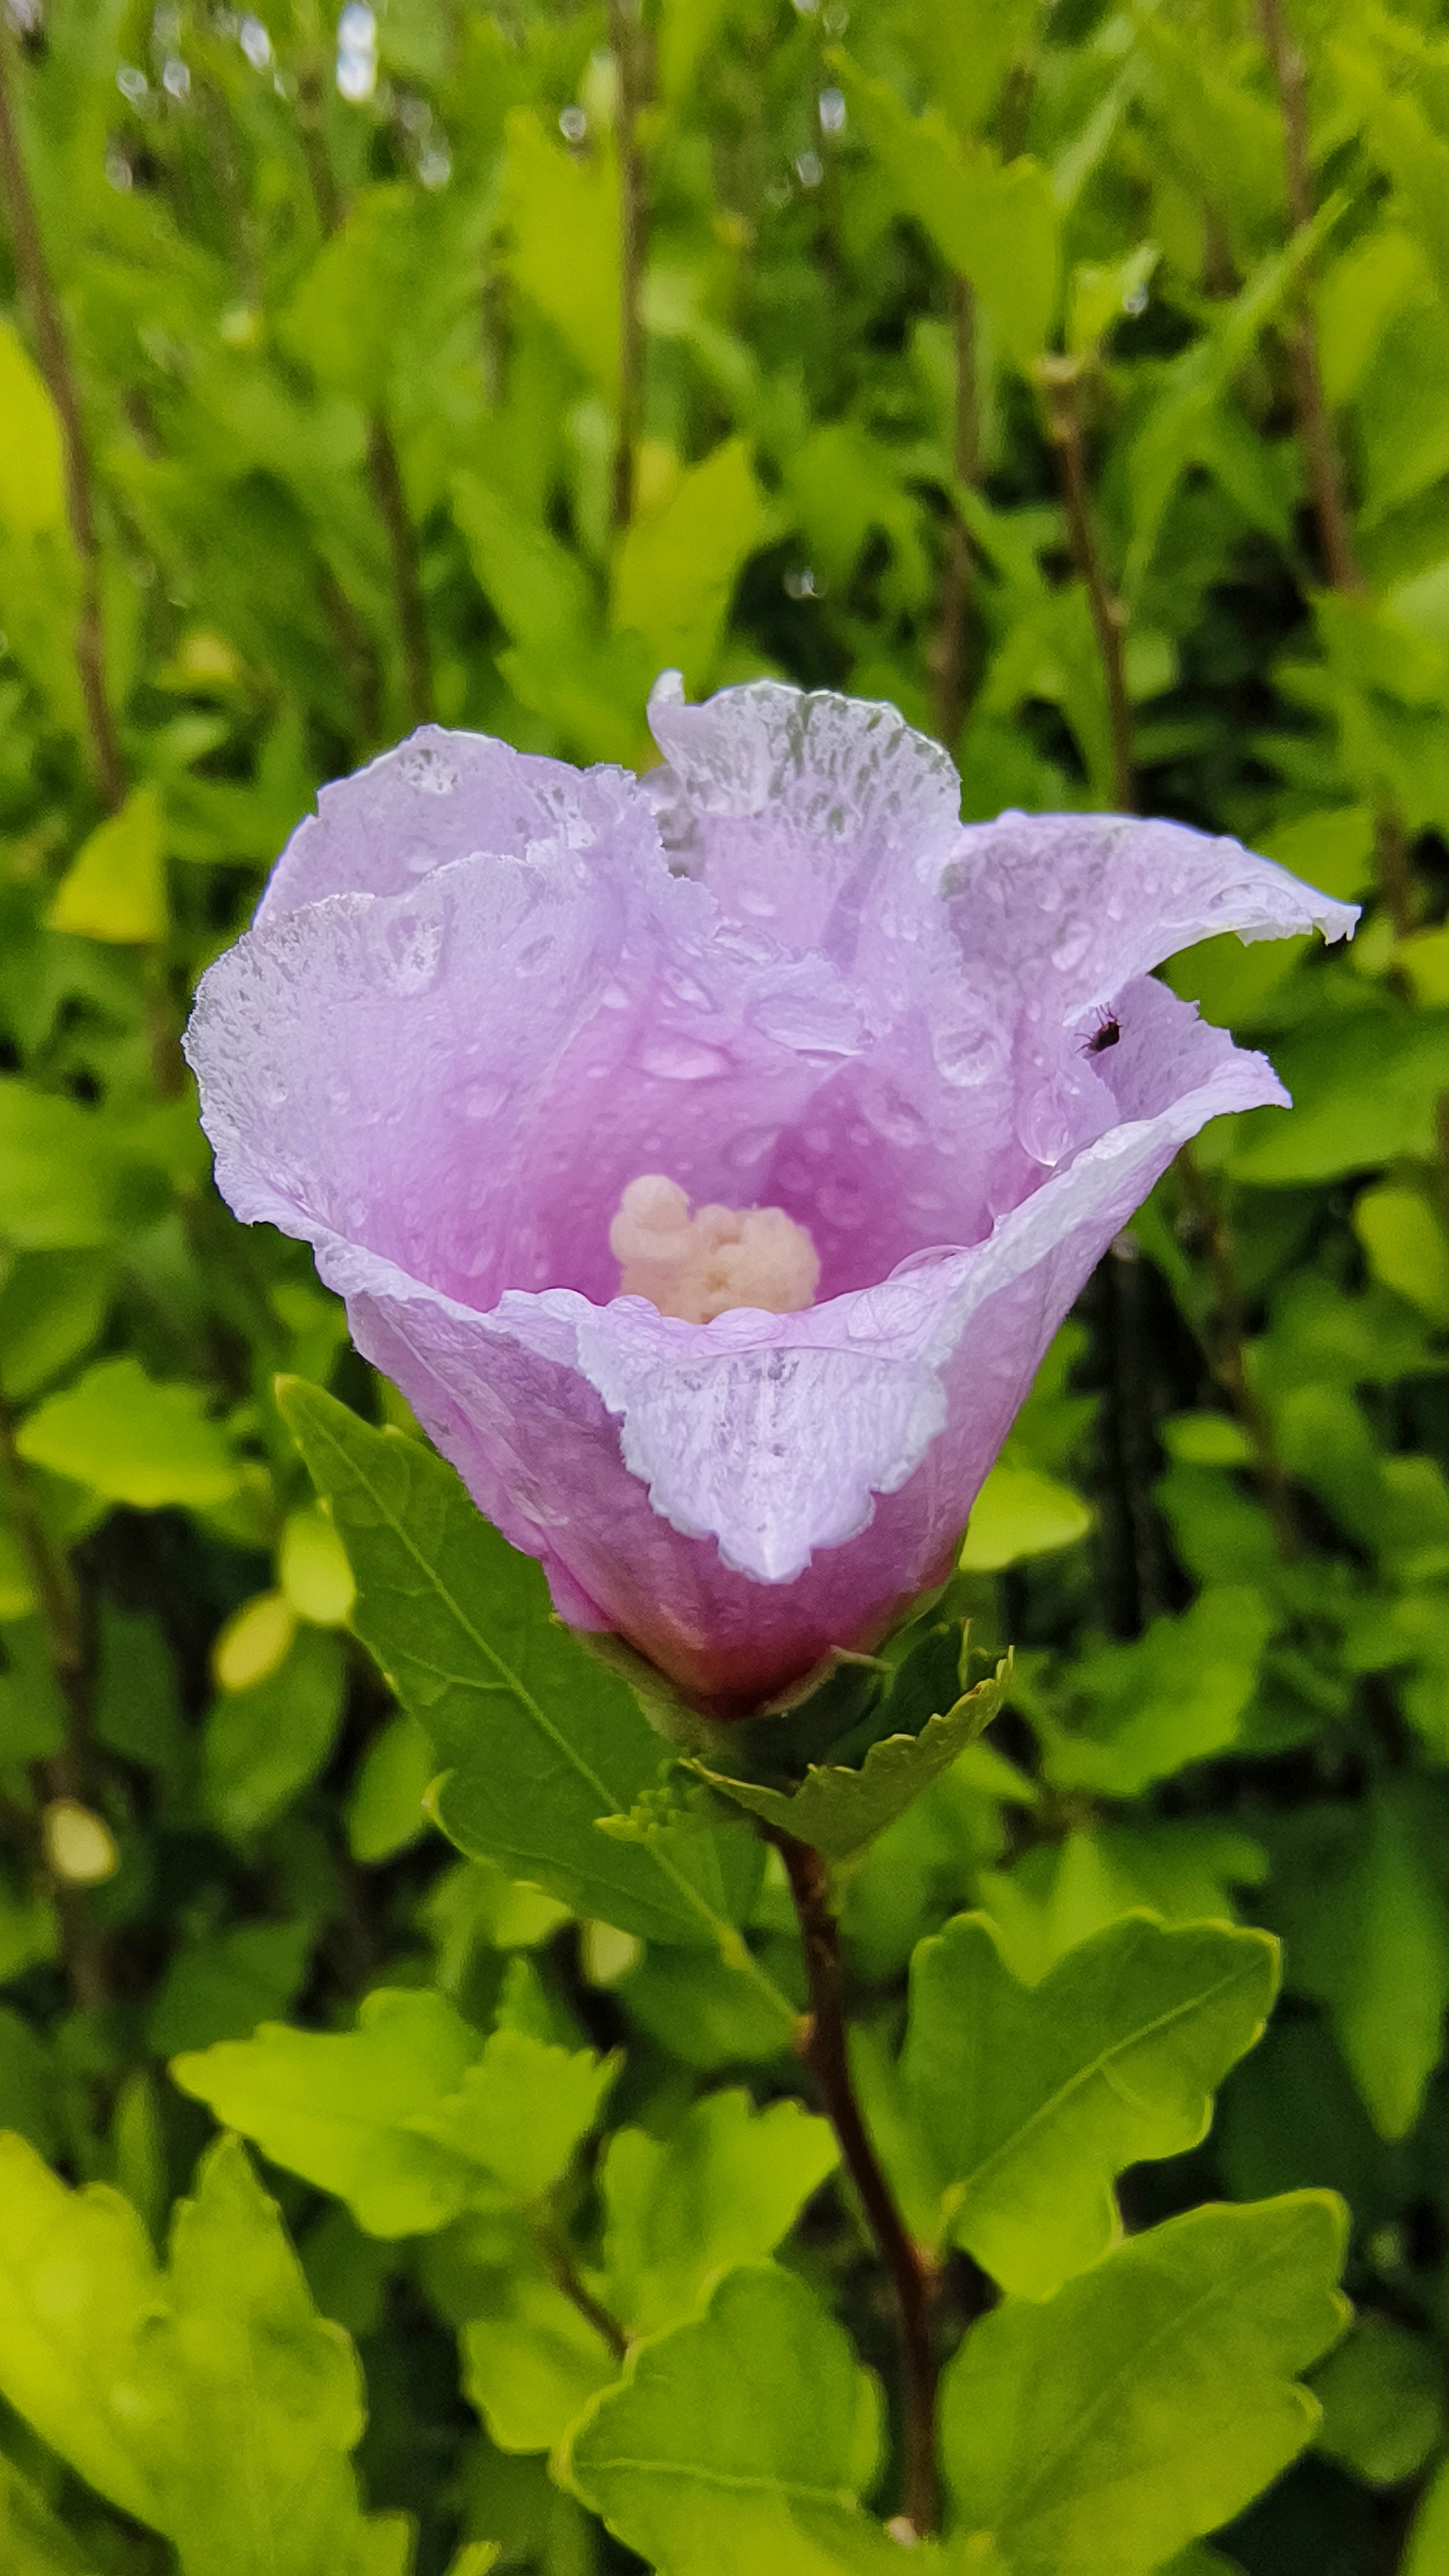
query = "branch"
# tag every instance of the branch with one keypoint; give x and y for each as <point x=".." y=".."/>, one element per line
<point x="1060" y="379"/>
<point x="385" y="475"/>
<point x="1228" y="1356"/>
<point x="624" y="44"/>
<point x="911" y="2273"/>
<point x="565" y="2276"/>
<point x="948" y="645"/>
<point x="1314" y="426"/>
<point x="55" y="365"/>
<point x="383" y="471"/>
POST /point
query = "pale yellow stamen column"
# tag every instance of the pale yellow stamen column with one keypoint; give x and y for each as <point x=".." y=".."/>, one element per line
<point x="700" y="1266"/>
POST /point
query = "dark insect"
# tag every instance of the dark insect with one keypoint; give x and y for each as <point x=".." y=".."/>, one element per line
<point x="1107" y="1035"/>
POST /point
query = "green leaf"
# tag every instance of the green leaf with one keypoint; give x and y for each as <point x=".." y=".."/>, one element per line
<point x="262" y="1747"/>
<point x="540" y="1738"/>
<point x="996" y="226"/>
<point x="838" y="1810"/>
<point x="1407" y="1245"/>
<point x="1364" y="1090"/>
<point x="386" y="1812"/>
<point x="119" y="1432"/>
<point x="257" y="2400"/>
<point x="1427" y="2549"/>
<point x="521" y="2111"/>
<point x="722" y="2189"/>
<point x="29" y="2092"/>
<point x="32" y="1711"/>
<point x="1020" y="1513"/>
<point x="678" y="565"/>
<point x="1369" y="1936"/>
<point x="338" y="2108"/>
<point x="63" y="1187"/>
<point x="32" y="2541"/>
<point x="221" y="1988"/>
<point x="78" y="2285"/>
<point x="531" y="2360"/>
<point x="410" y="2114"/>
<point x="1033" y="2099"/>
<point x="52" y="1308"/>
<point x="1143" y="1709"/>
<point x="739" y="2442"/>
<point x="115" y="886"/>
<point x="1152" y="2398"/>
<point x="562" y="213"/>
<point x="1382" y="2395"/>
<point x="32" y="469"/>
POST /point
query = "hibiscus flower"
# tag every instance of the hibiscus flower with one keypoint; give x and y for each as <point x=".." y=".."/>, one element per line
<point x="710" y="1157"/>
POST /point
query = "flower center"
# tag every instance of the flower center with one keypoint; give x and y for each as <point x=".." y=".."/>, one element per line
<point x="697" y="1267"/>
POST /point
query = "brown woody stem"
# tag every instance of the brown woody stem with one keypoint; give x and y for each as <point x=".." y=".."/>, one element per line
<point x="1314" y="427"/>
<point x="55" y="365"/>
<point x="385" y="475"/>
<point x="624" y="45"/>
<point x="949" y="645"/>
<point x="1229" y="1352"/>
<point x="1060" y="380"/>
<point x="910" y="2270"/>
<point x="565" y="2276"/>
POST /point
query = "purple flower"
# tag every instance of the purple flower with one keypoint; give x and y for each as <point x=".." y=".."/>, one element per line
<point x="485" y="993"/>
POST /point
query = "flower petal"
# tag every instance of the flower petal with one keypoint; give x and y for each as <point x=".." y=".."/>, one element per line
<point x="827" y="818"/>
<point x="1061" y="910"/>
<point x="436" y="797"/>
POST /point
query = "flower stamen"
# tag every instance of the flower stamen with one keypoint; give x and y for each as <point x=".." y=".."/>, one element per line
<point x="697" y="1267"/>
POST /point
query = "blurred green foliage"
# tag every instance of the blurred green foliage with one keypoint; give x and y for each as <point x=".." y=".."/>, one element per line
<point x="1078" y="379"/>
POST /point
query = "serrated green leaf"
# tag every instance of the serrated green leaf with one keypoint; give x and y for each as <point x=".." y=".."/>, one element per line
<point x="996" y="226"/>
<point x="78" y="2283"/>
<point x="410" y="2115"/>
<point x="722" y="2189"/>
<point x="531" y="2361"/>
<point x="257" y="2400"/>
<point x="838" y="1810"/>
<point x="1151" y="2399"/>
<point x="521" y="2110"/>
<point x="540" y="1739"/>
<point x="336" y="2107"/>
<point x="1032" y="2099"/>
<point x="738" y="2443"/>
<point x="678" y="566"/>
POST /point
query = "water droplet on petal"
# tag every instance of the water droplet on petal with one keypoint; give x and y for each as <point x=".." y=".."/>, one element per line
<point x="1070" y="945"/>
<point x="677" y="1059"/>
<point x="485" y="1099"/>
<point x="427" y="771"/>
<point x="966" y="1055"/>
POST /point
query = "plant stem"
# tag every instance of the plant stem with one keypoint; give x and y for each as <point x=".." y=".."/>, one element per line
<point x="1314" y="426"/>
<point x="385" y="475"/>
<point x="1229" y="1353"/>
<point x="949" y="643"/>
<point x="55" y="365"/>
<point x="565" y="2276"/>
<point x="624" y="44"/>
<point x="910" y="2272"/>
<point x="1060" y="379"/>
